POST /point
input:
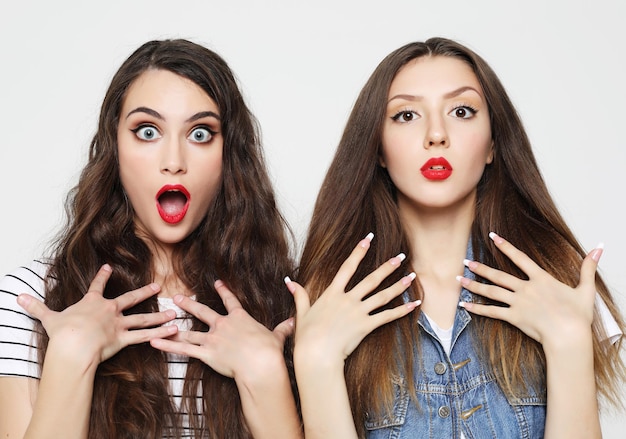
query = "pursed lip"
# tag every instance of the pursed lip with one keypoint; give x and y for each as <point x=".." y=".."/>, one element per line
<point x="436" y="168"/>
<point x="178" y="217"/>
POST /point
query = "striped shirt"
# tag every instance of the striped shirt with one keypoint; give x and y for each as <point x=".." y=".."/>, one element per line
<point x="18" y="342"/>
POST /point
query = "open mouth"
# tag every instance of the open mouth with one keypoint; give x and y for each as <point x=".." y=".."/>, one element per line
<point x="172" y="203"/>
<point x="436" y="168"/>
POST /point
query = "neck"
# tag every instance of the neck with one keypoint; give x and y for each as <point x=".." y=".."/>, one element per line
<point x="438" y="239"/>
<point x="164" y="273"/>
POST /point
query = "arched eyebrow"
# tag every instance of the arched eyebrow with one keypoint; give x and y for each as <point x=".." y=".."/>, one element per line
<point x="157" y="115"/>
<point x="448" y="95"/>
<point x="203" y="114"/>
<point x="146" y="110"/>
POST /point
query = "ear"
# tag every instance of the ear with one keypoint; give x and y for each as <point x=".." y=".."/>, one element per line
<point x="492" y="153"/>
<point x="381" y="161"/>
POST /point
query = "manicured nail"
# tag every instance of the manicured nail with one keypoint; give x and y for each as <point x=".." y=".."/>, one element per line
<point x="218" y="284"/>
<point x="463" y="280"/>
<point x="413" y="305"/>
<point x="406" y="280"/>
<point x="107" y="267"/>
<point x="365" y="242"/>
<point x="178" y="298"/>
<point x="463" y="304"/>
<point x="398" y="259"/>
<point x="155" y="287"/>
<point x="470" y="264"/>
<point x="290" y="286"/>
<point x="597" y="252"/>
<point x="495" y="238"/>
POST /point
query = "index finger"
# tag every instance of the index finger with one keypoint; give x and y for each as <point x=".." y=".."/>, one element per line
<point x="348" y="268"/>
<point x="99" y="282"/>
<point x="518" y="257"/>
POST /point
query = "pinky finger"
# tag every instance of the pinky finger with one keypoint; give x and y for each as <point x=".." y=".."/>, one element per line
<point x="491" y="311"/>
<point x="180" y="348"/>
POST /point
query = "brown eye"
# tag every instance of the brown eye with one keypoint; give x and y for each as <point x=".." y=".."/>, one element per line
<point x="405" y="116"/>
<point x="463" y="112"/>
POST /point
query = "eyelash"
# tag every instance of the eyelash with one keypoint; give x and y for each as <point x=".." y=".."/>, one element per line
<point x="471" y="108"/>
<point x="399" y="114"/>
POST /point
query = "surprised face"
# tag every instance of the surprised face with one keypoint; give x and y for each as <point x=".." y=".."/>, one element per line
<point x="170" y="154"/>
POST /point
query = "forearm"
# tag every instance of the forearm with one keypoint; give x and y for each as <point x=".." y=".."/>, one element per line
<point x="63" y="403"/>
<point x="324" y="400"/>
<point x="572" y="398"/>
<point x="268" y="402"/>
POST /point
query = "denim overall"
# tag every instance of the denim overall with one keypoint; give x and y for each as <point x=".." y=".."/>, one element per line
<point x="456" y="393"/>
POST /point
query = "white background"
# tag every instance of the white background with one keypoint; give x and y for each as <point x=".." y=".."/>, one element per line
<point x="300" y="67"/>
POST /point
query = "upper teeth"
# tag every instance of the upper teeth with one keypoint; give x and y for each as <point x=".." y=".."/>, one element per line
<point x="437" y="167"/>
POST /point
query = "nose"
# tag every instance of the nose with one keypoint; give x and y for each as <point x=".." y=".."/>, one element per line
<point x="173" y="158"/>
<point x="436" y="134"/>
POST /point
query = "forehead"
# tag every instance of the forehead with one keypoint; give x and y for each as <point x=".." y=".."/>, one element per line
<point x="433" y="74"/>
<point x="162" y="89"/>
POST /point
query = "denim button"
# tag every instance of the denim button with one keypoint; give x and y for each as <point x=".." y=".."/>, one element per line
<point x="440" y="368"/>
<point x="444" y="411"/>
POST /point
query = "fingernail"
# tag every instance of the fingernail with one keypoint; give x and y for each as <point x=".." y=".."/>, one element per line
<point x="463" y="304"/>
<point x="398" y="259"/>
<point x="23" y="299"/>
<point x="290" y="286"/>
<point x="172" y="329"/>
<point x="413" y="305"/>
<point x="406" y="280"/>
<point x="597" y="252"/>
<point x="178" y="298"/>
<point x="495" y="238"/>
<point x="107" y="267"/>
<point x="218" y="283"/>
<point x="155" y="287"/>
<point x="365" y="242"/>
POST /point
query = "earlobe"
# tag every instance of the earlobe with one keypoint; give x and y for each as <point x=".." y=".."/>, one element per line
<point x="492" y="153"/>
<point x="381" y="161"/>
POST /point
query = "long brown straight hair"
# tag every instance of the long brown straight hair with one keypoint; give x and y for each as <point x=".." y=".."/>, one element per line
<point x="357" y="196"/>
<point x="242" y="240"/>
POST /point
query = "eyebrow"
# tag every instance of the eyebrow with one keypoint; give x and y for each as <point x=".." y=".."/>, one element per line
<point x="156" y="114"/>
<point x="448" y="95"/>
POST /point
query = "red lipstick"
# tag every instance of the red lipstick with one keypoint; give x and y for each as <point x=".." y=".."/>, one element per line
<point x="172" y="202"/>
<point x="436" y="168"/>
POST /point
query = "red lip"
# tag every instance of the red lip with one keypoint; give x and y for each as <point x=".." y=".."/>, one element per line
<point x="436" y="168"/>
<point x="173" y="209"/>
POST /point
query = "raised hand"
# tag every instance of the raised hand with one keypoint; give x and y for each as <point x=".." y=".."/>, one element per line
<point x="235" y="344"/>
<point x="338" y="321"/>
<point x="95" y="327"/>
<point x="542" y="307"/>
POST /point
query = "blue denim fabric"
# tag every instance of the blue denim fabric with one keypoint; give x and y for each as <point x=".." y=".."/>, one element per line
<point x="456" y="393"/>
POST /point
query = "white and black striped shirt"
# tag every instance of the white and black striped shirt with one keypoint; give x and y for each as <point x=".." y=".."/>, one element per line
<point x="18" y="342"/>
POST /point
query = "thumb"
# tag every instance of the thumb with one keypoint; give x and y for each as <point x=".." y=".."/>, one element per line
<point x="284" y="329"/>
<point x="300" y="296"/>
<point x="34" y="307"/>
<point x="589" y="267"/>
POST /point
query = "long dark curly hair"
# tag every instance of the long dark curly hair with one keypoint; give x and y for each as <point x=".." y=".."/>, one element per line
<point x="241" y="240"/>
